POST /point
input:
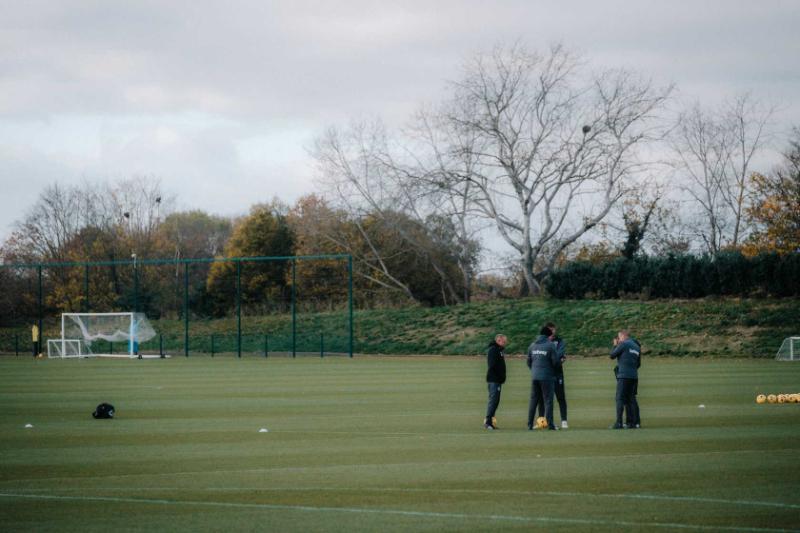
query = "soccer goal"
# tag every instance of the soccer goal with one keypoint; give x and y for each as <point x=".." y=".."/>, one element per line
<point x="789" y="350"/>
<point x="80" y="330"/>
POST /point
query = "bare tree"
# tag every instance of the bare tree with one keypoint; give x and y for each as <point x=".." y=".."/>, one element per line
<point x="547" y="151"/>
<point x="363" y="179"/>
<point x="715" y="150"/>
<point x="125" y="211"/>
<point x="422" y="172"/>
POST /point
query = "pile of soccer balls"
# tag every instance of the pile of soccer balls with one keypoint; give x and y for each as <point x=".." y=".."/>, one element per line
<point x="778" y="398"/>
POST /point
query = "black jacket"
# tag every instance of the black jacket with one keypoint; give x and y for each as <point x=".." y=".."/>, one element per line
<point x="561" y="350"/>
<point x="495" y="357"/>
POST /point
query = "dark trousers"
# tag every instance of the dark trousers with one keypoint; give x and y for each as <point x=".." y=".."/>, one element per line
<point x="542" y="396"/>
<point x="626" y="400"/>
<point x="561" y="396"/>
<point x="494" y="400"/>
<point x="633" y="418"/>
<point x="35" y="348"/>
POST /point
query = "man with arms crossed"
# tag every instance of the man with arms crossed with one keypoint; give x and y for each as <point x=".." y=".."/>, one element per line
<point x="543" y="361"/>
<point x="495" y="377"/>
<point x="627" y="352"/>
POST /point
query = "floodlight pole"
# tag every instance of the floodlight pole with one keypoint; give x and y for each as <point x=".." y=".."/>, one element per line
<point x="39" y="305"/>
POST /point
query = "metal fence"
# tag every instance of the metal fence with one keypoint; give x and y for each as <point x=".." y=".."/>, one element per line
<point x="218" y="306"/>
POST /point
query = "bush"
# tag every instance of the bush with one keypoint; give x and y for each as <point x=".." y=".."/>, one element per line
<point x="679" y="276"/>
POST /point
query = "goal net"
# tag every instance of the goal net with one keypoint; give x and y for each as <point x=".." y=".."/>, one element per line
<point x="79" y="331"/>
<point x="789" y="350"/>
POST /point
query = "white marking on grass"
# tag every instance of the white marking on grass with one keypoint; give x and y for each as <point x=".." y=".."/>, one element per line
<point x="396" y="512"/>
<point x="569" y="494"/>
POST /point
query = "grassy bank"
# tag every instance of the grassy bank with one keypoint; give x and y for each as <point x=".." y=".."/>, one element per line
<point x="708" y="327"/>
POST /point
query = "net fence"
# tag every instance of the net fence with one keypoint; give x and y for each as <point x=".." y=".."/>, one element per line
<point x="255" y="306"/>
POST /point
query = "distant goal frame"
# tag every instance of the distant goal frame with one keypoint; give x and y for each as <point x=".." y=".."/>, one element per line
<point x="84" y="349"/>
<point x="793" y="349"/>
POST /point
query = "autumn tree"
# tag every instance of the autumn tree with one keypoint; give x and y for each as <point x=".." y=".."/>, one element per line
<point x="776" y="207"/>
<point x="263" y="232"/>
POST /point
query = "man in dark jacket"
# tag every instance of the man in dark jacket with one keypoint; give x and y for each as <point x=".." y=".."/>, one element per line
<point x="543" y="360"/>
<point x="627" y="352"/>
<point x="561" y="394"/>
<point x="495" y="377"/>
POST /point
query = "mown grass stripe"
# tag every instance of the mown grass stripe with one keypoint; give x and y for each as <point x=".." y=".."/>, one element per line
<point x="397" y="512"/>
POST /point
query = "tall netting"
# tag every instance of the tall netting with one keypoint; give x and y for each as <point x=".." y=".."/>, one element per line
<point x="256" y="306"/>
<point x="789" y="350"/>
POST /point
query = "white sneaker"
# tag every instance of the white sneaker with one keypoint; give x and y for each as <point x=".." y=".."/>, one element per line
<point x="564" y="424"/>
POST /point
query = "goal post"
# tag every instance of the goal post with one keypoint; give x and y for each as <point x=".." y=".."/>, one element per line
<point x="80" y="330"/>
<point x="789" y="350"/>
<point x="65" y="348"/>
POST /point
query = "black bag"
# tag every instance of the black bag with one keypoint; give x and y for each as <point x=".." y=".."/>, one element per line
<point x="104" y="410"/>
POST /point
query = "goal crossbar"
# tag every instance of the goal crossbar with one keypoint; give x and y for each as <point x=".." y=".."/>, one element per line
<point x="80" y="330"/>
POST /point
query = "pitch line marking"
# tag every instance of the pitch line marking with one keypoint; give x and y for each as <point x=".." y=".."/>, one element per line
<point x="397" y="512"/>
<point x="656" y="497"/>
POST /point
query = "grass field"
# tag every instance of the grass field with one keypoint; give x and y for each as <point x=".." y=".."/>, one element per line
<point x="390" y="444"/>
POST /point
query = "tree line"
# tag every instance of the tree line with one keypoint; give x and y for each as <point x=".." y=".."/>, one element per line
<point x="536" y="152"/>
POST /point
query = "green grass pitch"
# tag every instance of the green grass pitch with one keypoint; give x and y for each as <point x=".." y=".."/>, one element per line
<point x="390" y="444"/>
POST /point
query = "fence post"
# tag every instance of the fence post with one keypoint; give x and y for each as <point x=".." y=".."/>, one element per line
<point x="239" y="307"/>
<point x="16" y="344"/>
<point x="186" y="309"/>
<point x="350" y="298"/>
<point x="86" y="288"/>
<point x="321" y="345"/>
<point x="41" y="311"/>
<point x="212" y="345"/>
<point x="266" y="346"/>
<point x="161" y="345"/>
<point x="294" y="308"/>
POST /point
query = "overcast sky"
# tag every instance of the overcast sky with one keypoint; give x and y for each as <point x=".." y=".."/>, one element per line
<point x="219" y="99"/>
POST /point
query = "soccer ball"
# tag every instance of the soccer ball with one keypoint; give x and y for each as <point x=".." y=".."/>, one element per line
<point x="761" y="398"/>
<point x="791" y="398"/>
<point x="781" y="398"/>
<point x="772" y="398"/>
<point x="541" y="423"/>
<point x="494" y="421"/>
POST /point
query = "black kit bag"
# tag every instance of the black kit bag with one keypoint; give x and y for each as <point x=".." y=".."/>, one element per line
<point x="104" y="410"/>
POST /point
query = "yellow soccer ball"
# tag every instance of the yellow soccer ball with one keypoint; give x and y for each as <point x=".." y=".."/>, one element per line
<point x="791" y="398"/>
<point x="772" y="398"/>
<point x="761" y="398"/>
<point x="781" y="398"/>
<point x="541" y="423"/>
<point x="494" y="421"/>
